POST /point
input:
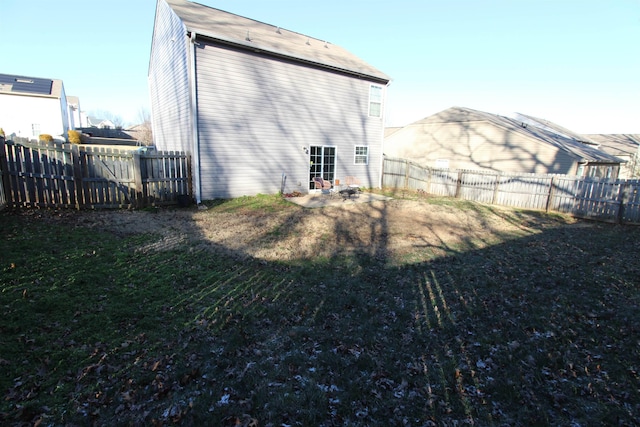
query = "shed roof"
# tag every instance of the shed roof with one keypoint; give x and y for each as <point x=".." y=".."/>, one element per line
<point x="553" y="127"/>
<point x="618" y="144"/>
<point x="570" y="145"/>
<point x="25" y="85"/>
<point x="257" y="36"/>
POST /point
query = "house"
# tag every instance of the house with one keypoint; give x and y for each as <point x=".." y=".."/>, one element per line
<point x="31" y="106"/>
<point x="260" y="108"/>
<point x="623" y="146"/>
<point x="96" y="122"/>
<point x="77" y="117"/>
<point x="462" y="138"/>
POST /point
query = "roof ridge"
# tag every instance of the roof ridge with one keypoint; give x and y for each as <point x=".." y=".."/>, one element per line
<point x="247" y="33"/>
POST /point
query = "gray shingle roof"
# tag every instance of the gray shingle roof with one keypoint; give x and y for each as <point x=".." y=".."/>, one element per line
<point x="553" y="127"/>
<point x="258" y="36"/>
<point x="618" y="144"/>
<point x="578" y="149"/>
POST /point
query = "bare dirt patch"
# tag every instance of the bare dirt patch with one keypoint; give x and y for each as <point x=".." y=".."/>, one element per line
<point x="391" y="229"/>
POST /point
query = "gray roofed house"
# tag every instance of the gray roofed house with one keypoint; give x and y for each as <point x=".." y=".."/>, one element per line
<point x="623" y="146"/>
<point x="31" y="106"/>
<point x="462" y="138"/>
<point x="97" y="122"/>
<point x="261" y="108"/>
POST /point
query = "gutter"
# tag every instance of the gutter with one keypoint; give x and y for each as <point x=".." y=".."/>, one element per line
<point x="274" y="53"/>
<point x="194" y="123"/>
<point x="383" y="118"/>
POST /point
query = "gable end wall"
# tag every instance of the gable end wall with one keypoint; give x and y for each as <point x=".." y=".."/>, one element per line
<point x="257" y="116"/>
<point x="478" y="145"/>
<point x="169" y="82"/>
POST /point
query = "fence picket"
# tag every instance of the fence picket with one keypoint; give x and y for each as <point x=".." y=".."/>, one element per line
<point x="603" y="200"/>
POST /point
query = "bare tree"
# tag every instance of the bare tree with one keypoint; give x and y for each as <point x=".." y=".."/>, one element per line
<point x="117" y="120"/>
<point x="143" y="128"/>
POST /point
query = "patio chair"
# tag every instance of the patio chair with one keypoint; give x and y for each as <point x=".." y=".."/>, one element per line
<point x="323" y="185"/>
<point x="352" y="183"/>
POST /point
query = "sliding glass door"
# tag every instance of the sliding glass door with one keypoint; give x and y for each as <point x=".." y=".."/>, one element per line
<point x="322" y="161"/>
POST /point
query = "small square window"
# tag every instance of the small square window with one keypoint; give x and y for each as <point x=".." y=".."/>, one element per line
<point x="361" y="155"/>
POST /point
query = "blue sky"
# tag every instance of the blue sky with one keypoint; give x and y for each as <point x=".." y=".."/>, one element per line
<point x="574" y="62"/>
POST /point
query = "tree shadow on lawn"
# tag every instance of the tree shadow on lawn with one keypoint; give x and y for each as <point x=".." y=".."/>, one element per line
<point x="541" y="329"/>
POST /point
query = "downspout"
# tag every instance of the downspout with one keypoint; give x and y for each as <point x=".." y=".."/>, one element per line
<point x="381" y="167"/>
<point x="194" y="121"/>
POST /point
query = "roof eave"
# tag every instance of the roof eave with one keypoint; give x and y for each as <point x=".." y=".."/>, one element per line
<point x="30" y="95"/>
<point x="248" y="45"/>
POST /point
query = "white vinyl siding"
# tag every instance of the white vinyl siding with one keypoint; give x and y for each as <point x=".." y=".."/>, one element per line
<point x="257" y="115"/>
<point x="477" y="145"/>
<point x="30" y="116"/>
<point x="169" y="82"/>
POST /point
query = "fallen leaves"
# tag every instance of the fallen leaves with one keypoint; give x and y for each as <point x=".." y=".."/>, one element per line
<point x="526" y="331"/>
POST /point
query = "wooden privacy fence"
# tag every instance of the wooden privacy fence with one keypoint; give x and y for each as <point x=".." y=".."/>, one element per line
<point x="72" y="176"/>
<point x="3" y="198"/>
<point x="592" y="198"/>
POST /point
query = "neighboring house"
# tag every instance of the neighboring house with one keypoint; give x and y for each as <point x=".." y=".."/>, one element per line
<point x="77" y="118"/>
<point x="462" y="138"/>
<point x="261" y="109"/>
<point x="95" y="122"/>
<point x="623" y="146"/>
<point x="31" y="106"/>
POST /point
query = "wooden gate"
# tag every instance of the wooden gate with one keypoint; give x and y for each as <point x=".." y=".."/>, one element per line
<point x="72" y="176"/>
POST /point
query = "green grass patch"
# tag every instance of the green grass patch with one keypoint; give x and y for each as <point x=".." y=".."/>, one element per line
<point x="540" y="330"/>
<point x="246" y="204"/>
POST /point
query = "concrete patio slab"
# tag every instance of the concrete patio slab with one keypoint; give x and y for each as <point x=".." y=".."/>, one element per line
<point x="322" y="200"/>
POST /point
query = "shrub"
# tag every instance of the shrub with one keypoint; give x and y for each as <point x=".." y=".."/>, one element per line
<point x="45" y="137"/>
<point x="74" y="137"/>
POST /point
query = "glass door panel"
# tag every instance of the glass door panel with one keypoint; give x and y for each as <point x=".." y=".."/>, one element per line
<point x="322" y="163"/>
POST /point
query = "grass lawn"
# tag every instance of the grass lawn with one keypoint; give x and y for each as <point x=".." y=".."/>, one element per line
<point x="543" y="329"/>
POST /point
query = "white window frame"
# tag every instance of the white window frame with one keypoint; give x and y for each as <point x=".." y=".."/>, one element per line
<point x="35" y="130"/>
<point x="374" y="101"/>
<point x="360" y="156"/>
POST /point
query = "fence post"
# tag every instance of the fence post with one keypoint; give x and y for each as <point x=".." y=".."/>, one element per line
<point x="4" y="171"/>
<point x="551" y="194"/>
<point x="189" y="178"/>
<point x="77" y="175"/>
<point x="137" y="179"/>
<point x="459" y="184"/>
<point x="406" y="174"/>
<point x="622" y="199"/>
<point x="494" y="200"/>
